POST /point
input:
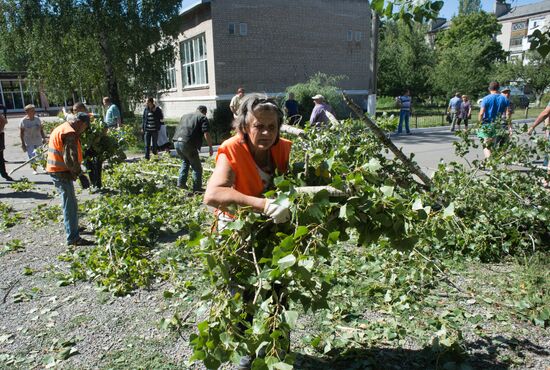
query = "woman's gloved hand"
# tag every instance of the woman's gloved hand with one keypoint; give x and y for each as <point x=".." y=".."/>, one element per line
<point x="279" y="212"/>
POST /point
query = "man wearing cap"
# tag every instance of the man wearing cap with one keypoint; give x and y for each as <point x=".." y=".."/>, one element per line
<point x="236" y="102"/>
<point x="187" y="141"/>
<point x="318" y="116"/>
<point x="63" y="165"/>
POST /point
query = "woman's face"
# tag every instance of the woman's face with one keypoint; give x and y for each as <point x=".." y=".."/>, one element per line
<point x="262" y="129"/>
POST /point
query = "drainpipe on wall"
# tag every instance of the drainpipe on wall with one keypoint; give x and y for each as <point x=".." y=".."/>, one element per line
<point x="373" y="63"/>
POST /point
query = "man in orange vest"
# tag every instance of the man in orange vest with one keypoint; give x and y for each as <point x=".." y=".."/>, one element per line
<point x="64" y="158"/>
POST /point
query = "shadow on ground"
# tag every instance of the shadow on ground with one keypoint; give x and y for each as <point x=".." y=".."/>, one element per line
<point x="26" y="195"/>
<point x="485" y="353"/>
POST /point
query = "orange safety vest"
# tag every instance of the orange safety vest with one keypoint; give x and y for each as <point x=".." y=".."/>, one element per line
<point x="56" y="148"/>
<point x="247" y="178"/>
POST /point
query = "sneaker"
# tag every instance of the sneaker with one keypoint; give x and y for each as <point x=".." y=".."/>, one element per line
<point x="34" y="173"/>
<point x="198" y="191"/>
<point x="409" y="133"/>
<point x="81" y="242"/>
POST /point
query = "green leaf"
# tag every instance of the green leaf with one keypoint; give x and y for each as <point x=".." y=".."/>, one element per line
<point x="417" y="204"/>
<point x="286" y="261"/>
<point x="282" y="366"/>
<point x="449" y="211"/>
<point x="291" y="317"/>
<point x="300" y="231"/>
<point x="387" y="190"/>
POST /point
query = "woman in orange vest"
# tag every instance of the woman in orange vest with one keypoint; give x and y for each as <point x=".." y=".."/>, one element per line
<point x="63" y="165"/>
<point x="247" y="162"/>
<point x="245" y="167"/>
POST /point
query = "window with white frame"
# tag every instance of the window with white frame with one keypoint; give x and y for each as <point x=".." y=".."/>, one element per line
<point x="231" y="28"/>
<point x="518" y="26"/>
<point x="350" y="35"/>
<point x="516" y="41"/>
<point x="170" y="77"/>
<point x="194" y="62"/>
<point x="358" y="36"/>
<point x="243" y="29"/>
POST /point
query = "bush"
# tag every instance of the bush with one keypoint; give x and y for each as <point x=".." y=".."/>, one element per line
<point x="322" y="84"/>
<point x="220" y="125"/>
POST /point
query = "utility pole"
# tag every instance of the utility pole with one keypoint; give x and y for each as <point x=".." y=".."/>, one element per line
<point x="373" y="65"/>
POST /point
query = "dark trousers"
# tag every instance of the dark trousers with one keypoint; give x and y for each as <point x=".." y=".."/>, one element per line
<point x="151" y="138"/>
<point x="95" y="166"/>
<point x="3" y="172"/>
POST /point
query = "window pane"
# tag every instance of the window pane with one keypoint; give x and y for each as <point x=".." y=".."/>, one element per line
<point x="194" y="62"/>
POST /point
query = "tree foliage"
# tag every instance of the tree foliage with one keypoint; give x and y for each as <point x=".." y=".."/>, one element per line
<point x="405" y="60"/>
<point x="97" y="47"/>
<point x="469" y="6"/>
<point x="466" y="54"/>
<point x="535" y="73"/>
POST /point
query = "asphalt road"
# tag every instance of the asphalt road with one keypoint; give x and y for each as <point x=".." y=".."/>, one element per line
<point x="429" y="145"/>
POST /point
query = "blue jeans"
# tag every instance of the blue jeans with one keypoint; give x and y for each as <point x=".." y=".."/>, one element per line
<point x="69" y="205"/>
<point x="151" y="138"/>
<point x="404" y="115"/>
<point x="190" y="156"/>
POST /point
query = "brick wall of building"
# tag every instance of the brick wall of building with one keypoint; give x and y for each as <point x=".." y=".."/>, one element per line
<point x="289" y="41"/>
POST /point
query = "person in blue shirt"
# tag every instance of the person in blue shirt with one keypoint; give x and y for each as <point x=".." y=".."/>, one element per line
<point x="454" y="110"/>
<point x="405" y="103"/>
<point x="113" y="118"/>
<point x="492" y="108"/>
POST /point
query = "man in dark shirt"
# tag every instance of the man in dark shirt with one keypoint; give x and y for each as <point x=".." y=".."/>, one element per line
<point x="291" y="109"/>
<point x="187" y="141"/>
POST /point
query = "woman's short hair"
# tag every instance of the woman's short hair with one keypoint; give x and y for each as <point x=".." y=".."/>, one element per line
<point x="252" y="103"/>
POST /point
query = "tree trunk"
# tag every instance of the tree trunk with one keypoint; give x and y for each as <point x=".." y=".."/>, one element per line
<point x="381" y="135"/>
<point x="538" y="97"/>
<point x="110" y="76"/>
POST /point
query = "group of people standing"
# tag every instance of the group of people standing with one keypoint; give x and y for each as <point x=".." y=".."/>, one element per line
<point x="459" y="111"/>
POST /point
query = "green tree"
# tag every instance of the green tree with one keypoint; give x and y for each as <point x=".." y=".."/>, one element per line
<point x="406" y="61"/>
<point x="73" y="45"/>
<point x="469" y="6"/>
<point x="466" y="54"/>
<point x="535" y="73"/>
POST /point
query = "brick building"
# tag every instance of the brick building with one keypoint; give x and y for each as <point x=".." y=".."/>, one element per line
<point x="265" y="46"/>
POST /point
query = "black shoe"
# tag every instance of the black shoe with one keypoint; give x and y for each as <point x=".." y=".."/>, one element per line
<point x="8" y="178"/>
<point x="81" y="242"/>
<point x="198" y="191"/>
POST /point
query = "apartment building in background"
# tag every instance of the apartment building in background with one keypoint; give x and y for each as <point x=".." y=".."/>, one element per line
<point x="265" y="46"/>
<point x="518" y="23"/>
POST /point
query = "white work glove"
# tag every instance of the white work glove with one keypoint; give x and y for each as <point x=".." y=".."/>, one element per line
<point x="279" y="212"/>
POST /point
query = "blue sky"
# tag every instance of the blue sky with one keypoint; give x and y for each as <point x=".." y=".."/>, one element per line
<point x="451" y="6"/>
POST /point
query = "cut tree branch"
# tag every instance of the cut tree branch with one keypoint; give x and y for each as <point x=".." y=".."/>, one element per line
<point x="381" y="135"/>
